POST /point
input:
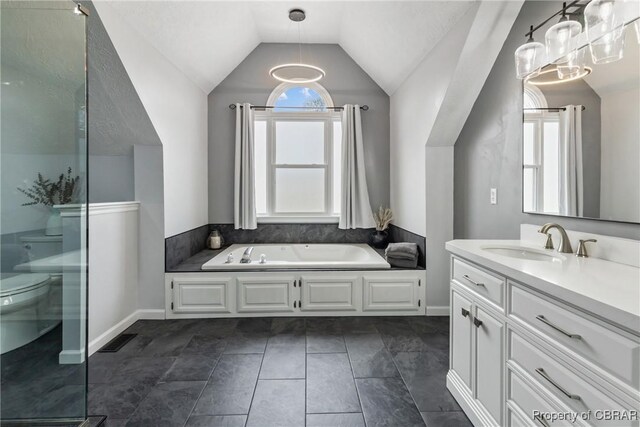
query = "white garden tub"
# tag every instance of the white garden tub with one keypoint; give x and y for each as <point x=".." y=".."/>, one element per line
<point x="298" y="256"/>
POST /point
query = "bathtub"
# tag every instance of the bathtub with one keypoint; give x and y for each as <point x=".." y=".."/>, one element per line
<point x="299" y="256"/>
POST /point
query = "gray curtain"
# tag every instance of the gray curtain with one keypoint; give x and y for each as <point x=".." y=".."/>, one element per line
<point x="244" y="183"/>
<point x="355" y="209"/>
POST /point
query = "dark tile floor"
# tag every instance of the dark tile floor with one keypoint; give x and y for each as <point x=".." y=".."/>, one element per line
<point x="35" y="385"/>
<point x="330" y="372"/>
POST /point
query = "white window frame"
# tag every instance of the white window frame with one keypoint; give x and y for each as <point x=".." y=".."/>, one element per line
<point x="271" y="117"/>
<point x="538" y="118"/>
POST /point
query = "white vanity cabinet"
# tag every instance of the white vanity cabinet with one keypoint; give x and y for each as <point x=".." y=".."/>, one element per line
<point x="476" y="348"/>
<point x="517" y="353"/>
<point x="295" y="293"/>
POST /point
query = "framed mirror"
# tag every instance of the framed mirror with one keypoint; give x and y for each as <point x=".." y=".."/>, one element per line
<point x="581" y="139"/>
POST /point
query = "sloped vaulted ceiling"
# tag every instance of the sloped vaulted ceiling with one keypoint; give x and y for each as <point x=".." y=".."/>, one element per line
<point x="206" y="40"/>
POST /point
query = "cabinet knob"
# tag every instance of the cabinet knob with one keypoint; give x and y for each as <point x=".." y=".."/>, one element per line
<point x="477" y="322"/>
<point x="465" y="312"/>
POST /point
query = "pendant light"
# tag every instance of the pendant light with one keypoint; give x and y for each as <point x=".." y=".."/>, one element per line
<point x="529" y="57"/>
<point x="297" y="72"/>
<point x="605" y="29"/>
<point x="560" y="38"/>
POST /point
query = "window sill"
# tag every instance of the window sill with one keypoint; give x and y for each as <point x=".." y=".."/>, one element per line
<point x="298" y="219"/>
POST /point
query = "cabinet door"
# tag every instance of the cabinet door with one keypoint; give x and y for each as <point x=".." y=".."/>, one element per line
<point x="489" y="362"/>
<point x="461" y="323"/>
<point x="201" y="295"/>
<point x="329" y="293"/>
<point x="391" y="294"/>
<point x="260" y="295"/>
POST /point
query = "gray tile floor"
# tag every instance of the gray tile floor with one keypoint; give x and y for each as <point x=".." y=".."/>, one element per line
<point x="329" y="372"/>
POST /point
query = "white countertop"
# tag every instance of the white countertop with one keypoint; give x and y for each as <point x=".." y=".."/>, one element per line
<point x="607" y="289"/>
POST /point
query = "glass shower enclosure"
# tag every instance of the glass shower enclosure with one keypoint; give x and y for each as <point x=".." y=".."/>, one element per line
<point x="43" y="225"/>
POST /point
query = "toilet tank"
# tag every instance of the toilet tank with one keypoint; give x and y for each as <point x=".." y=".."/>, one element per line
<point x="38" y="247"/>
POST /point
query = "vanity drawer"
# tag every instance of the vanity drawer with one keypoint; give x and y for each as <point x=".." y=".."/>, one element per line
<point x="479" y="281"/>
<point x="564" y="384"/>
<point x="610" y="351"/>
<point x="530" y="404"/>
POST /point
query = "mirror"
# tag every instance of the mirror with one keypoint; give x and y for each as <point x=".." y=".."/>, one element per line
<point x="581" y="140"/>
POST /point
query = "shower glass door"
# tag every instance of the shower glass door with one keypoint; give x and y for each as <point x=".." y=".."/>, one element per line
<point x="43" y="226"/>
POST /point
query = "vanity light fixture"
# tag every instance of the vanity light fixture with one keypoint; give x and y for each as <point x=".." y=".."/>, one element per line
<point x="603" y="17"/>
<point x="297" y="72"/>
<point x="604" y="26"/>
<point x="529" y="57"/>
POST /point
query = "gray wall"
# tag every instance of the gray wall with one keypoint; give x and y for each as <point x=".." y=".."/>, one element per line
<point x="117" y="119"/>
<point x="250" y="82"/>
<point x="488" y="152"/>
<point x="580" y="93"/>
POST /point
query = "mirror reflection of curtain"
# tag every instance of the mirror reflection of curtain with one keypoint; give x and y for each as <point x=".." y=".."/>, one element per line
<point x="244" y="184"/>
<point x="571" y="173"/>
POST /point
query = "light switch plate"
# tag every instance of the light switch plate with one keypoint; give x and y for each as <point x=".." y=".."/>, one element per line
<point x="493" y="198"/>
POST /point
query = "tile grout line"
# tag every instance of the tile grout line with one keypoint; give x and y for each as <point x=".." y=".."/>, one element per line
<point x="355" y="384"/>
<point x="206" y="382"/>
<point x="255" y="387"/>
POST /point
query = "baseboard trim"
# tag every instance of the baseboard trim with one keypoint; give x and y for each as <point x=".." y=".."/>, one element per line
<point x="438" y="310"/>
<point x="97" y="343"/>
<point x="147" y="314"/>
<point x="151" y="314"/>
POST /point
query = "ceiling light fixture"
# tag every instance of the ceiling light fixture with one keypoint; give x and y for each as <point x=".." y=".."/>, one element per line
<point x="604" y="25"/>
<point x="297" y="72"/>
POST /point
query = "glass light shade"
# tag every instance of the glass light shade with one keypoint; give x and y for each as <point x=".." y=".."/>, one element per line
<point x="529" y="58"/>
<point x="559" y="40"/>
<point x="573" y="67"/>
<point x="605" y="30"/>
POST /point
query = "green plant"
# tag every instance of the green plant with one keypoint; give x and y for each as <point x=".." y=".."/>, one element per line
<point x="47" y="193"/>
<point x="383" y="218"/>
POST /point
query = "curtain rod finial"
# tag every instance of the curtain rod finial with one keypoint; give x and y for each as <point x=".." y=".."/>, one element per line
<point x="232" y="106"/>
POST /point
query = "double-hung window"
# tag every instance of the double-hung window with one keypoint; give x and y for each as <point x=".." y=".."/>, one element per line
<point x="298" y="155"/>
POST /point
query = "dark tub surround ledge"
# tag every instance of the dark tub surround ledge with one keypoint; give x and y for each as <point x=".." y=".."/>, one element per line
<point x="187" y="251"/>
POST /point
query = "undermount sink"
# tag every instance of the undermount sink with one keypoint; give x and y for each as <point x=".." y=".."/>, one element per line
<point x="524" y="253"/>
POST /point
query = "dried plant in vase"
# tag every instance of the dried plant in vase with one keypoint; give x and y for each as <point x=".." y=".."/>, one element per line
<point x="48" y="193"/>
<point x="382" y="218"/>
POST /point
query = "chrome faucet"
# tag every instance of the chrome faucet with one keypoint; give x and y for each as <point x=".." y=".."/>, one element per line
<point x="246" y="256"/>
<point x="565" y="244"/>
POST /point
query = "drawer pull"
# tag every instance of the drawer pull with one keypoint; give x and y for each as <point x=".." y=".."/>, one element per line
<point x="546" y="376"/>
<point x="472" y="281"/>
<point x="477" y="322"/>
<point x="465" y="312"/>
<point x="541" y="421"/>
<point x="544" y="320"/>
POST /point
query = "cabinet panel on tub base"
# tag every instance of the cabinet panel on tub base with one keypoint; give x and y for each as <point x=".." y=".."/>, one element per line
<point x="295" y="294"/>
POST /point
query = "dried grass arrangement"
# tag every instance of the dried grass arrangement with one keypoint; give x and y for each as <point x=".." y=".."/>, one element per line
<point x="383" y="218"/>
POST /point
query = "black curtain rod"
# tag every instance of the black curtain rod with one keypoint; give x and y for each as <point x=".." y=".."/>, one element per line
<point x="564" y="9"/>
<point x="269" y="107"/>
<point x="552" y="108"/>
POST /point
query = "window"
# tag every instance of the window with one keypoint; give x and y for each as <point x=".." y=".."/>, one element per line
<point x="298" y="156"/>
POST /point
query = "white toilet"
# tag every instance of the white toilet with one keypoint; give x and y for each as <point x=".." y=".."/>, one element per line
<point x="23" y="300"/>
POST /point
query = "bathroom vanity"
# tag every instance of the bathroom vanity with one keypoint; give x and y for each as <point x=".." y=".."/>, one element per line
<point x="535" y="332"/>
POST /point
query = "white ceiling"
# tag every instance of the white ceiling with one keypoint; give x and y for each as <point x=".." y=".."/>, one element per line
<point x="208" y="39"/>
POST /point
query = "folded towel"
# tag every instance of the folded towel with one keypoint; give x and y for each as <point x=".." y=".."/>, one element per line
<point x="402" y="262"/>
<point x="408" y="251"/>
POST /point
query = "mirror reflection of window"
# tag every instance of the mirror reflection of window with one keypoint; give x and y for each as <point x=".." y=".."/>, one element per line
<point x="541" y="155"/>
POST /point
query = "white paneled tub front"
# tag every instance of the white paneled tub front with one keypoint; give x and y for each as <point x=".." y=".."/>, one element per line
<point x="298" y="256"/>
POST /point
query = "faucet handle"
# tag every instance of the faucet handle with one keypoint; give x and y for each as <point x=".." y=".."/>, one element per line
<point x="582" y="247"/>
<point x="549" y="242"/>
